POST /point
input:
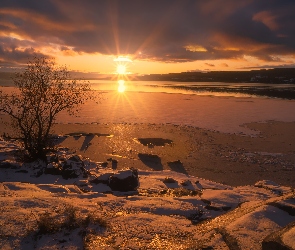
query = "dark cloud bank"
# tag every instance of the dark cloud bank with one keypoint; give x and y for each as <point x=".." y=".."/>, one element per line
<point x="166" y="30"/>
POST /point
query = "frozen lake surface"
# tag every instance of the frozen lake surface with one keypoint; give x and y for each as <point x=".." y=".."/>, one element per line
<point x="220" y="113"/>
<point x="213" y="106"/>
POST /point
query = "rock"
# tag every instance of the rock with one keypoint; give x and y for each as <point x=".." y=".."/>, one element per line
<point x="103" y="178"/>
<point x="53" y="168"/>
<point x="69" y="168"/>
<point x="52" y="158"/>
<point x="75" y="158"/>
<point x="125" y="180"/>
<point x="73" y="167"/>
<point x="70" y="172"/>
<point x="114" y="164"/>
<point x="169" y="180"/>
<point x="186" y="183"/>
<point x="103" y="164"/>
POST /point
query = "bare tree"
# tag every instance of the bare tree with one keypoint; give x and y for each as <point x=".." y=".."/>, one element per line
<point x="43" y="91"/>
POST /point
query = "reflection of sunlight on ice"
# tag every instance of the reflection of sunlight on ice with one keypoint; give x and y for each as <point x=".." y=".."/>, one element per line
<point x="135" y="102"/>
<point x="121" y="87"/>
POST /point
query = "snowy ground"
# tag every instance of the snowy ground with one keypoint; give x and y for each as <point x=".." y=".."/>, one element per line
<point x="169" y="210"/>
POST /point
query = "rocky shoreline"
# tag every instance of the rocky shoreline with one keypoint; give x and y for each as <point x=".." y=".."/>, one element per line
<point x="73" y="202"/>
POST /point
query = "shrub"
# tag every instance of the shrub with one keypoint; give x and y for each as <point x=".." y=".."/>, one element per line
<point x="44" y="90"/>
<point x="68" y="218"/>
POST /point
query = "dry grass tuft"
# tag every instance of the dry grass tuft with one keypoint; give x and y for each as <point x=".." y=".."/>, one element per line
<point x="67" y="218"/>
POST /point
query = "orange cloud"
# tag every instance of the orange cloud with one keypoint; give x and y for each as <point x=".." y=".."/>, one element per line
<point x="267" y="18"/>
<point x="42" y="20"/>
<point x="149" y="31"/>
<point x="243" y="44"/>
<point x="224" y="65"/>
<point x="195" y="48"/>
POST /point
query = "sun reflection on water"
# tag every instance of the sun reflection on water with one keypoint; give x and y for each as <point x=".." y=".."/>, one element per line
<point x="122" y="63"/>
<point x="121" y="87"/>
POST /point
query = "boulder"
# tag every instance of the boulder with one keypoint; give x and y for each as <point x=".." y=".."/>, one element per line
<point x="75" y="158"/>
<point x="124" y="181"/>
<point x="53" y="168"/>
<point x="72" y="167"/>
<point x="114" y="164"/>
<point x="102" y="164"/>
<point x="70" y="171"/>
<point x="52" y="158"/>
<point x="103" y="178"/>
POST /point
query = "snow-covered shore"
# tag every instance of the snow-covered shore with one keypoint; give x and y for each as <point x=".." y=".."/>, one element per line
<point x="185" y="212"/>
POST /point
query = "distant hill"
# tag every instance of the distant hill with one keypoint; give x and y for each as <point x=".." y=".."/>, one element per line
<point x="278" y="75"/>
<point x="6" y="75"/>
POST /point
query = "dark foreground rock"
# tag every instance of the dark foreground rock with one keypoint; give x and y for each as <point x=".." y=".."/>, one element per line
<point x="70" y="168"/>
<point x="125" y="180"/>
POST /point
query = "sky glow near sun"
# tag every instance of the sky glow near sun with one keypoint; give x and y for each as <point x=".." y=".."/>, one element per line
<point x="122" y="65"/>
<point x="121" y="69"/>
<point x="173" y="36"/>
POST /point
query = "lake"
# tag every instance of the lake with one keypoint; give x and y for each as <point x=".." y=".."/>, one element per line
<point x="285" y="91"/>
<point x="223" y="107"/>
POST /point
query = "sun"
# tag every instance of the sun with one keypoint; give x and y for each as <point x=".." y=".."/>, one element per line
<point x="121" y="69"/>
<point x="122" y="64"/>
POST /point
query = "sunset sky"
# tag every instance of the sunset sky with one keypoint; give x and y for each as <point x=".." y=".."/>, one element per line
<point x="149" y="36"/>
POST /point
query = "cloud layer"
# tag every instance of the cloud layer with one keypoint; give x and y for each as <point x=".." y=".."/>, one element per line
<point x="166" y="30"/>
